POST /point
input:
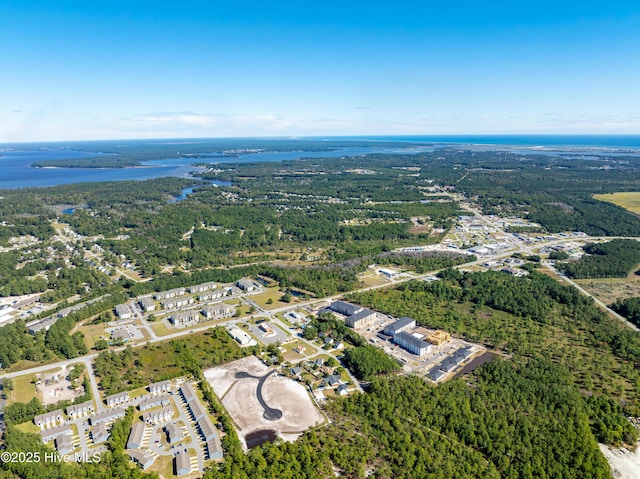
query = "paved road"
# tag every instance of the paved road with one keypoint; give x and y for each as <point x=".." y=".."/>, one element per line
<point x="86" y="359"/>
<point x="595" y="300"/>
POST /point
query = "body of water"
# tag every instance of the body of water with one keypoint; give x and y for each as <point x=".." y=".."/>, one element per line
<point x="16" y="170"/>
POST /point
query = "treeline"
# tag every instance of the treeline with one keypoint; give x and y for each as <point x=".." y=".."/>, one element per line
<point x="17" y="344"/>
<point x="367" y="362"/>
<point x="629" y="308"/>
<point x="614" y="259"/>
<point x="514" y="421"/>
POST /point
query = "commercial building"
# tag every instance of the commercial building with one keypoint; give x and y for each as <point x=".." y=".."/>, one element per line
<point x="403" y="324"/>
<point x="243" y="338"/>
<point x="344" y="308"/>
<point x="246" y="285"/>
<point x="361" y="319"/>
<point x="411" y="343"/>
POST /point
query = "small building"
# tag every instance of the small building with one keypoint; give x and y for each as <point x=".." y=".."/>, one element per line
<point x="42" y="325"/>
<point x="64" y="444"/>
<point x="117" y="399"/>
<point x="185" y="318"/>
<point x="161" y="387"/>
<point x="174" y="433"/>
<point x="361" y="319"/>
<point x="411" y="343"/>
<point x="144" y="460"/>
<point x="436" y="373"/>
<point x="296" y="371"/>
<point x="403" y="324"/>
<point x="107" y="416"/>
<point x="147" y="304"/>
<point x="182" y="463"/>
<point x="136" y="435"/>
<point x="246" y="285"/>
<point x="342" y="390"/>
<point x="332" y="381"/>
<point x="99" y="434"/>
<point x="344" y="308"/>
<point x="121" y="334"/>
<point x="266" y="328"/>
<point x="243" y="338"/>
<point x="123" y="311"/>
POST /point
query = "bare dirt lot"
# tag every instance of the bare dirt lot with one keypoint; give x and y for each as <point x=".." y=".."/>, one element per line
<point x="259" y="401"/>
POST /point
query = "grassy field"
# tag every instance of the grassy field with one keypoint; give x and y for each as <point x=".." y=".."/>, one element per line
<point x="629" y="200"/>
<point x="28" y="427"/>
<point x="23" y="389"/>
<point x="161" y="329"/>
<point x="611" y="289"/>
<point x="272" y="294"/>
<point x="93" y="332"/>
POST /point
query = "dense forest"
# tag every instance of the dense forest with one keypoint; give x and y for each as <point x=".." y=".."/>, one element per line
<point x="614" y="259"/>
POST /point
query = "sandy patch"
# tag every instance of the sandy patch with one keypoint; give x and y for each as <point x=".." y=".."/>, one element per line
<point x="624" y="464"/>
<point x="239" y="395"/>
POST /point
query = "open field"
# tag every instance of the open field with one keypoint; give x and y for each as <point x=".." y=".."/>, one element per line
<point x="23" y="389"/>
<point x="611" y="289"/>
<point x="271" y="293"/>
<point x="92" y="333"/>
<point x="279" y="406"/>
<point x="629" y="200"/>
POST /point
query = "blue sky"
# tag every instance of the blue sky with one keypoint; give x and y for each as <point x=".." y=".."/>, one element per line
<point x="74" y="70"/>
